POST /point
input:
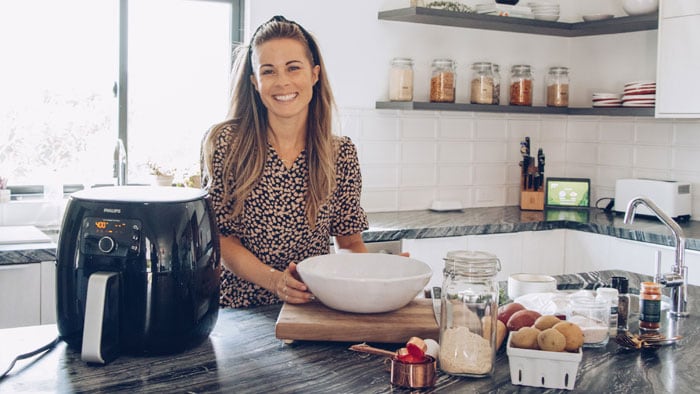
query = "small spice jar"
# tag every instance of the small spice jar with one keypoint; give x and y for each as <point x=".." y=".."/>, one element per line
<point x="401" y="79"/>
<point x="521" y="85"/>
<point x="469" y="310"/>
<point x="496" y="84"/>
<point x="558" y="87"/>
<point x="481" y="83"/>
<point x="442" y="81"/>
<point x="650" y="306"/>
<point x="623" y="309"/>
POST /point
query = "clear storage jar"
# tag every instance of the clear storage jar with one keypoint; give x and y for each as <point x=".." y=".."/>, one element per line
<point x="482" y="84"/>
<point x="558" y="87"/>
<point x="593" y="316"/>
<point x="401" y="79"/>
<point x="521" y="81"/>
<point x="442" y="81"/>
<point x="469" y="309"/>
<point x="496" y="84"/>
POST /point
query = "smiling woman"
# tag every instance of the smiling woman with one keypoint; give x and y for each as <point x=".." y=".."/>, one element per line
<point x="63" y="104"/>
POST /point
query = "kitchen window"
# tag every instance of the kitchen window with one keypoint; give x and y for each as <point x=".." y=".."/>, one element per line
<point x="76" y="78"/>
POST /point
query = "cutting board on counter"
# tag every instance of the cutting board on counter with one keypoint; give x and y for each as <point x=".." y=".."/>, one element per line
<point x="316" y="322"/>
<point x="21" y="235"/>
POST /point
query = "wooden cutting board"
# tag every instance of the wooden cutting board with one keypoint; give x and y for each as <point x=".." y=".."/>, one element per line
<point x="316" y="322"/>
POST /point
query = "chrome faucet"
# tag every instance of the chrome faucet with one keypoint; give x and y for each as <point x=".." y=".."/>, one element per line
<point x="677" y="280"/>
<point x="120" y="163"/>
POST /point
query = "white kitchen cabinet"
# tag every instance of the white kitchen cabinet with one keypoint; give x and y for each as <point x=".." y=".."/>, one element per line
<point x="432" y="251"/>
<point x="543" y="252"/>
<point x="585" y="252"/>
<point x="507" y="247"/>
<point x="48" y="292"/>
<point x="678" y="60"/>
<point x="20" y="295"/>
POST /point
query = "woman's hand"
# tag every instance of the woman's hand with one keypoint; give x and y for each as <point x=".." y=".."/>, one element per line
<point x="291" y="289"/>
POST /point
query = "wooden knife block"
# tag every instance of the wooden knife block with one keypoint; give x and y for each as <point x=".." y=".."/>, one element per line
<point x="530" y="199"/>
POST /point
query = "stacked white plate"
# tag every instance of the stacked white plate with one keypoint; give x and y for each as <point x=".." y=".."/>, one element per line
<point x="639" y="94"/>
<point x="545" y="11"/>
<point x="607" y="99"/>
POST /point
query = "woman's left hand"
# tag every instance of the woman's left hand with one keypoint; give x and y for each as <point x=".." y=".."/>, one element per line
<point x="291" y="289"/>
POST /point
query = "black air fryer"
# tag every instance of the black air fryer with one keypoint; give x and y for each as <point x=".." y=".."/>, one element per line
<point x="137" y="271"/>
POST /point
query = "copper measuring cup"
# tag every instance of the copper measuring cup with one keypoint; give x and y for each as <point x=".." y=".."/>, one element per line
<point x="415" y="376"/>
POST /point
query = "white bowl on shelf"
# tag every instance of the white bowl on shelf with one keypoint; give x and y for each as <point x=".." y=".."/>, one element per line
<point x="364" y="282"/>
<point x="640" y="7"/>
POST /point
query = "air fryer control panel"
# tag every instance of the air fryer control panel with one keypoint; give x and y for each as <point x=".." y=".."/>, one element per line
<point x="110" y="237"/>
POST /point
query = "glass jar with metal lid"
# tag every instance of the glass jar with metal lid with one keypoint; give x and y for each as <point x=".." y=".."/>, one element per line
<point x="468" y="314"/>
<point x="401" y="79"/>
<point x="521" y="81"/>
<point x="442" y="81"/>
<point x="496" y="83"/>
<point x="558" y="87"/>
<point x="481" y="83"/>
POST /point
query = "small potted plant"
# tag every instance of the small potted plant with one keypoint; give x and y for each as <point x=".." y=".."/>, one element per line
<point x="162" y="176"/>
<point x="5" y="193"/>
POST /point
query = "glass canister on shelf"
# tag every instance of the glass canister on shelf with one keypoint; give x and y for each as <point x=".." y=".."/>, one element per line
<point x="482" y="84"/>
<point x="558" y="87"/>
<point x="401" y="79"/>
<point x="521" y="81"/>
<point x="496" y="83"/>
<point x="469" y="309"/>
<point x="442" y="81"/>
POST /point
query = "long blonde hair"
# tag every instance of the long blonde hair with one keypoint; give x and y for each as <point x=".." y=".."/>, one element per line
<point x="247" y="117"/>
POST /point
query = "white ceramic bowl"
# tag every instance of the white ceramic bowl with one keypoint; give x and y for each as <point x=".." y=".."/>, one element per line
<point x="364" y="282"/>
<point x="640" y="7"/>
<point x="521" y="284"/>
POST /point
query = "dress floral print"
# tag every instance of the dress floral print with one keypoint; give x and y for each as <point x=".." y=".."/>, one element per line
<point x="273" y="224"/>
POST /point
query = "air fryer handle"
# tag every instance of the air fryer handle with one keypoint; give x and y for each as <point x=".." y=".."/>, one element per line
<point x="101" y="325"/>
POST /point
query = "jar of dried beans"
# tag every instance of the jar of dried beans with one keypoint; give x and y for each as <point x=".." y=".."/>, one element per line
<point x="521" y="85"/>
<point x="469" y="309"/>
<point x="442" y="81"/>
<point x="401" y="79"/>
<point x="482" y="84"/>
<point x="558" y="87"/>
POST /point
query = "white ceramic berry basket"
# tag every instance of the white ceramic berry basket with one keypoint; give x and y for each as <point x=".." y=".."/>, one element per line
<point x="540" y="368"/>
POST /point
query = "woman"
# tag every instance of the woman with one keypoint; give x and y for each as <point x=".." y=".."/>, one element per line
<point x="281" y="184"/>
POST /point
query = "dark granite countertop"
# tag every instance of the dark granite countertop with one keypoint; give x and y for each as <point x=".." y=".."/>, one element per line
<point x="393" y="226"/>
<point x="242" y="355"/>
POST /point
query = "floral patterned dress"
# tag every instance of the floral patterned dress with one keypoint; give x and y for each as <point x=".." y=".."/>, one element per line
<point x="273" y="224"/>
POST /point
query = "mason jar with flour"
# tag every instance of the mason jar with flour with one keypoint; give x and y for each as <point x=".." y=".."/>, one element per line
<point x="401" y="79"/>
<point x="469" y="309"/>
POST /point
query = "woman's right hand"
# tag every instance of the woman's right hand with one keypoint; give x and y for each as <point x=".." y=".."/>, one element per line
<point x="291" y="289"/>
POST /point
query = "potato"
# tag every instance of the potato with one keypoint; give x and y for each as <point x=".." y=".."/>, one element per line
<point x="507" y="310"/>
<point x="546" y="321"/>
<point x="525" y="338"/>
<point x="501" y="330"/>
<point x="573" y="334"/>
<point x="551" y="340"/>
<point x="520" y="319"/>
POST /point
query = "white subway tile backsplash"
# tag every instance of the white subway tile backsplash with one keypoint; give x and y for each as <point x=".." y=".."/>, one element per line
<point x="410" y="158"/>
<point x="654" y="133"/>
<point x="456" y="128"/>
<point x="658" y="157"/>
<point x="412" y="176"/>
<point x="379" y="152"/>
<point x="490" y="152"/>
<point x="414" y="152"/>
<point x="455" y="152"/>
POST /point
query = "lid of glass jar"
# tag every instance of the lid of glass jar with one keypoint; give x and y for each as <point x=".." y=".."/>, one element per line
<point x="443" y="62"/>
<point x="481" y="66"/>
<point x="558" y="70"/>
<point x="404" y="61"/>
<point x="472" y="263"/>
<point x="520" y="67"/>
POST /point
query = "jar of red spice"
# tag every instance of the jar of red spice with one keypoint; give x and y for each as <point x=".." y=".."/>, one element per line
<point x="649" y="306"/>
<point x="442" y="81"/>
<point x="521" y="85"/>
